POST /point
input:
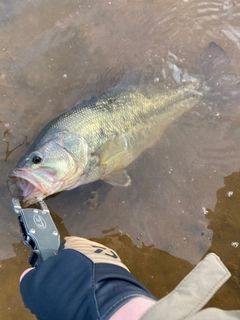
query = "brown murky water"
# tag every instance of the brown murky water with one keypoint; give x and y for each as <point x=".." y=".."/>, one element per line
<point x="184" y="198"/>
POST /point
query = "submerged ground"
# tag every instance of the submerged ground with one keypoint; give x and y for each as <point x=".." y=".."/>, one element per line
<point x="184" y="198"/>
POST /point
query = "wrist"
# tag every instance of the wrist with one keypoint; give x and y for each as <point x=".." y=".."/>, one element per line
<point x="24" y="273"/>
<point x="133" y="309"/>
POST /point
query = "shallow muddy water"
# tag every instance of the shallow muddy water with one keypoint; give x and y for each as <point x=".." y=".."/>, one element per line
<point x="184" y="198"/>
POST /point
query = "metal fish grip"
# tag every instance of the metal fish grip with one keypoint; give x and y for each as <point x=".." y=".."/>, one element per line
<point x="38" y="230"/>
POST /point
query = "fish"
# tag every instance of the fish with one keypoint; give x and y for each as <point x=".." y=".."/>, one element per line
<point x="98" y="138"/>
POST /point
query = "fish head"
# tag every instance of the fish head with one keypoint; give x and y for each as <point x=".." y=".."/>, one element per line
<point x="50" y="166"/>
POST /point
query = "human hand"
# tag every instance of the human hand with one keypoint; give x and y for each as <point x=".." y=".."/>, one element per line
<point x="86" y="280"/>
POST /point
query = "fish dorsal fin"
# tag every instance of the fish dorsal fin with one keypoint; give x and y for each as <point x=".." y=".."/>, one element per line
<point x="112" y="149"/>
<point x="212" y="61"/>
<point x="118" y="178"/>
<point x="134" y="77"/>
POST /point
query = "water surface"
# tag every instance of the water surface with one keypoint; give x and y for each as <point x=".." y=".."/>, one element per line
<point x="184" y="197"/>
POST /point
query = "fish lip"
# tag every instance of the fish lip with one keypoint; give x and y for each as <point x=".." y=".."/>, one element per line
<point x="33" y="194"/>
<point x="23" y="174"/>
<point x="35" y="189"/>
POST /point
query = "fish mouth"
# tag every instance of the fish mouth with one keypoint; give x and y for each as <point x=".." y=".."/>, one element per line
<point x="31" y="188"/>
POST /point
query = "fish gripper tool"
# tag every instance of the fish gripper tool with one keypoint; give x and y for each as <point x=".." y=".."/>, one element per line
<point x="39" y="231"/>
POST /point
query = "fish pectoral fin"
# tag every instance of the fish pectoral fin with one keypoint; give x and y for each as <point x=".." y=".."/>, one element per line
<point x="113" y="149"/>
<point x="118" y="178"/>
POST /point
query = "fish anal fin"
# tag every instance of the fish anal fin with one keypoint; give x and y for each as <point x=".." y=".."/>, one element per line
<point x="118" y="178"/>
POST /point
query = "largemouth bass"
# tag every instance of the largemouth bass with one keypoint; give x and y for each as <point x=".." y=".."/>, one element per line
<point x="99" y="137"/>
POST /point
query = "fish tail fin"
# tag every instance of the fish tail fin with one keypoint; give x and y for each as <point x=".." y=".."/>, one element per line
<point x="213" y="61"/>
<point x="222" y="84"/>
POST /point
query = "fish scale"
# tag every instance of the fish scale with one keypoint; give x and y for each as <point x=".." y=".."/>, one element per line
<point x="99" y="137"/>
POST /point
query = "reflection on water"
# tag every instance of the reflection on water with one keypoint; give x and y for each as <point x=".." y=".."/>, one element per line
<point x="53" y="54"/>
<point x="11" y="303"/>
<point x="225" y="222"/>
<point x="159" y="271"/>
<point x="150" y="270"/>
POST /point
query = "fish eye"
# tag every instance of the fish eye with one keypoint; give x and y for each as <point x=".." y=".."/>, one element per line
<point x="36" y="159"/>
